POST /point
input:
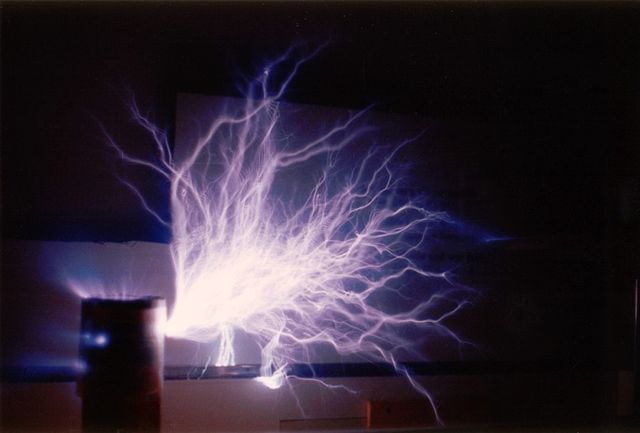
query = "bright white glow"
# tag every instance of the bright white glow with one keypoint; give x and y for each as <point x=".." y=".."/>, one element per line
<point x="295" y="272"/>
<point x="100" y="340"/>
<point x="95" y="340"/>
<point x="273" y="380"/>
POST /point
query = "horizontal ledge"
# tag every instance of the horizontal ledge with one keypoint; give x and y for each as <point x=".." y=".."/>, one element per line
<point x="37" y="374"/>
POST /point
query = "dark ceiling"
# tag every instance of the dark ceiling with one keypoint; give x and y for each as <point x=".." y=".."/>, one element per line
<point x="557" y="83"/>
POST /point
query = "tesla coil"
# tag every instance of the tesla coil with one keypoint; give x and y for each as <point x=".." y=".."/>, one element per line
<point x="121" y="351"/>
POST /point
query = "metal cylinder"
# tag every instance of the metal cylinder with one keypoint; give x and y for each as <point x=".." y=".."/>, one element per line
<point x="122" y="352"/>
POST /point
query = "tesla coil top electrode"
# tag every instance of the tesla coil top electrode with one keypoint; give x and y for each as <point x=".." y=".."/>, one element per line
<point x="121" y="348"/>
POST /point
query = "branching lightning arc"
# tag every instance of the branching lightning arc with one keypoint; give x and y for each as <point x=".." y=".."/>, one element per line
<point x="298" y="272"/>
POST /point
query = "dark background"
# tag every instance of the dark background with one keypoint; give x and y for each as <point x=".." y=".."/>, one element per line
<point x="535" y="137"/>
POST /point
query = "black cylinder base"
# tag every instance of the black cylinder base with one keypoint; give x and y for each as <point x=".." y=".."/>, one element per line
<point x="121" y="348"/>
